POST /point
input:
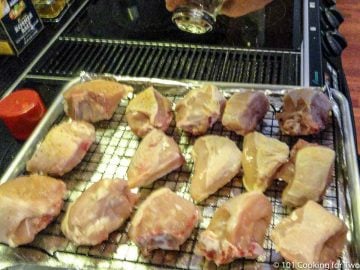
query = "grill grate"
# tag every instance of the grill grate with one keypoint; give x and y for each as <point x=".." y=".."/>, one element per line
<point x="71" y="55"/>
<point x="110" y="156"/>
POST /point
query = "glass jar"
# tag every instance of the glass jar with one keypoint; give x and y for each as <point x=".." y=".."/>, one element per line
<point x="197" y="16"/>
<point x="49" y="9"/>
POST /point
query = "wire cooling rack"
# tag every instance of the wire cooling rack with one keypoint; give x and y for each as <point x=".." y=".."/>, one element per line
<point x="110" y="156"/>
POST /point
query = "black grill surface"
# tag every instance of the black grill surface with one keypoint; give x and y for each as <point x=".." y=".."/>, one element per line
<point x="69" y="56"/>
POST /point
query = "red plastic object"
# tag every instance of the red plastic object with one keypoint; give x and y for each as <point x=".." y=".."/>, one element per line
<point x="21" y="111"/>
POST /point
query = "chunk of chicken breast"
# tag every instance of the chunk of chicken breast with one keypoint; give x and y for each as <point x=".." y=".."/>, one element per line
<point x="305" y="112"/>
<point x="244" y="111"/>
<point x="199" y="109"/>
<point x="156" y="156"/>
<point x="163" y="221"/>
<point x="62" y="149"/>
<point x="148" y="110"/>
<point x="262" y="157"/>
<point x="237" y="229"/>
<point x="94" y="100"/>
<point x="27" y="205"/>
<point x="304" y="182"/>
<point x="310" y="235"/>
<point x="216" y="161"/>
<point x="100" y="210"/>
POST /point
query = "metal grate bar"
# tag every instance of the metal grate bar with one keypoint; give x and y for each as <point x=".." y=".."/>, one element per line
<point x="71" y="55"/>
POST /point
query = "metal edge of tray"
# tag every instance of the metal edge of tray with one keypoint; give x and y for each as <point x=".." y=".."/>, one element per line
<point x="351" y="165"/>
<point x="350" y="168"/>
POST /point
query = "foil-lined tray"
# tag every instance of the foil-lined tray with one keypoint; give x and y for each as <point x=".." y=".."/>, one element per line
<point x="110" y="155"/>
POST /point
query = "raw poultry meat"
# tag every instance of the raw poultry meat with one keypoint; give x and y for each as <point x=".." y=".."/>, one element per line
<point x="62" y="149"/>
<point x="216" y="161"/>
<point x="94" y="100"/>
<point x="237" y="229"/>
<point x="163" y="221"/>
<point x="148" y="110"/>
<point x="199" y="109"/>
<point x="156" y="156"/>
<point x="305" y="112"/>
<point x="27" y="205"/>
<point x="310" y="235"/>
<point x="308" y="173"/>
<point x="100" y="210"/>
<point x="243" y="111"/>
<point x="262" y="157"/>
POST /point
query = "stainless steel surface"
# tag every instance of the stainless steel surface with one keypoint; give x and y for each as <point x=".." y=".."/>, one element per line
<point x="110" y="155"/>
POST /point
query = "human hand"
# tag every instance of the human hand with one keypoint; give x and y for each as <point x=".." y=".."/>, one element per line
<point x="231" y="8"/>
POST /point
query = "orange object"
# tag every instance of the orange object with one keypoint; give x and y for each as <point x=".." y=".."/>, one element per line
<point x="21" y="111"/>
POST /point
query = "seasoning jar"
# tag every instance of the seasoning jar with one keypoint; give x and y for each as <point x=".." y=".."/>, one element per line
<point x="21" y="111"/>
<point x="49" y="9"/>
<point x="197" y="16"/>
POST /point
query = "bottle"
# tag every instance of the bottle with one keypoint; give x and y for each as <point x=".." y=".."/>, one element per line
<point x="49" y="9"/>
<point x="197" y="16"/>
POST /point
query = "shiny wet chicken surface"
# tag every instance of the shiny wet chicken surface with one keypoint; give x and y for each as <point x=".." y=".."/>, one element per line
<point x="163" y="221"/>
<point x="217" y="160"/>
<point x="100" y="210"/>
<point x="62" y="149"/>
<point x="305" y="112"/>
<point x="156" y="156"/>
<point x="199" y="109"/>
<point x="27" y="205"/>
<point x="94" y="100"/>
<point x="148" y="110"/>
<point x="310" y="235"/>
<point x="237" y="229"/>
<point x="244" y="111"/>
<point x="262" y="157"/>
<point x="304" y="182"/>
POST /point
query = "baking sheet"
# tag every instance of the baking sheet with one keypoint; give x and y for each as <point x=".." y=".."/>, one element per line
<point x="110" y="156"/>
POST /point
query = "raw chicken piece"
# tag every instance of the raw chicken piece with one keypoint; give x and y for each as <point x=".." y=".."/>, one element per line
<point x="308" y="173"/>
<point x="163" y="221"/>
<point x="63" y="148"/>
<point x="156" y="156"/>
<point x="148" y="110"/>
<point x="244" y="111"/>
<point x="305" y="112"/>
<point x="216" y="161"/>
<point x="199" y="109"/>
<point x="262" y="157"/>
<point x="94" y="100"/>
<point x="100" y="210"/>
<point x="27" y="205"/>
<point x="237" y="229"/>
<point x="310" y="235"/>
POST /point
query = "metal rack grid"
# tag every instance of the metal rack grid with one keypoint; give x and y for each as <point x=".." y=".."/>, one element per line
<point x="110" y="156"/>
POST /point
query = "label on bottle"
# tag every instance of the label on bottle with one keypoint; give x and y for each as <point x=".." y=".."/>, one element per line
<point x="20" y="22"/>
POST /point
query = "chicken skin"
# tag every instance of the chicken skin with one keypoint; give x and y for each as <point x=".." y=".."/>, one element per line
<point x="305" y="112"/>
<point x="163" y="221"/>
<point x="62" y="149"/>
<point x="262" y="157"/>
<point x="304" y="182"/>
<point x="95" y="100"/>
<point x="148" y="110"/>
<point x="310" y="235"/>
<point x="156" y="156"/>
<point x="217" y="160"/>
<point x="244" y="111"/>
<point x="237" y="229"/>
<point x="199" y="109"/>
<point x="27" y="205"/>
<point x="100" y="210"/>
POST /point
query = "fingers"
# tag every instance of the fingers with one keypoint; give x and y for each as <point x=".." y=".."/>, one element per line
<point x="171" y="5"/>
<point x="237" y="8"/>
